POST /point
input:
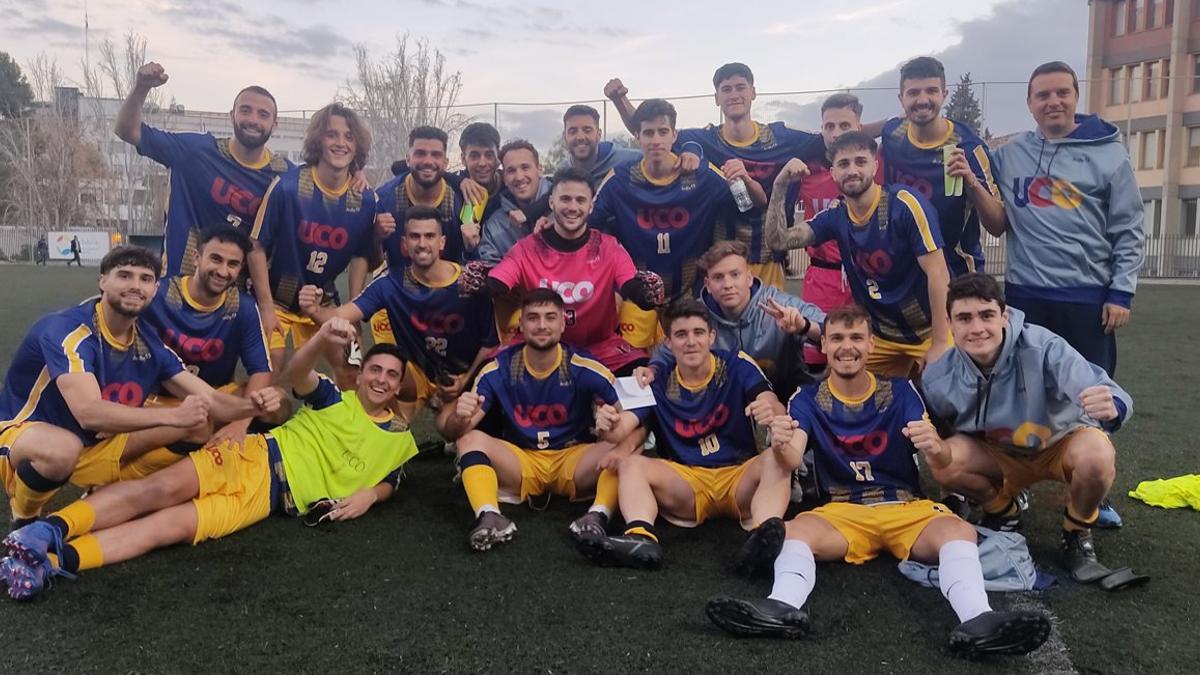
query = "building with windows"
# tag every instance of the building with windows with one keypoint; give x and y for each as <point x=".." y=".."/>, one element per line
<point x="1144" y="70"/>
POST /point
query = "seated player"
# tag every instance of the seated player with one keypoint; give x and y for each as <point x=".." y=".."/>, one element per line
<point x="84" y="373"/>
<point x="342" y="448"/>
<point x="889" y="242"/>
<point x="703" y="417"/>
<point x="443" y="333"/>
<point x="864" y="432"/>
<point x="753" y="317"/>
<point x="665" y="219"/>
<point x="586" y="267"/>
<point x="312" y="225"/>
<point x="1025" y="407"/>
<point x="547" y="393"/>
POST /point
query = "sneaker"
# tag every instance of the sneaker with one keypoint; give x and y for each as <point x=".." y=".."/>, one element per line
<point x="24" y="582"/>
<point x="1000" y="633"/>
<point x="1109" y="518"/>
<point x="1079" y="556"/>
<point x="1001" y="522"/>
<point x="592" y="523"/>
<point x="761" y="548"/>
<point x="491" y="528"/>
<point x="624" y="551"/>
<point x="32" y="543"/>
<point x="958" y="504"/>
<point x="760" y="617"/>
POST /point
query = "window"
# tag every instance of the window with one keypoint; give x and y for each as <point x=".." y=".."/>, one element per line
<point x="1187" y="217"/>
<point x="1193" y="150"/>
<point x="1153" y="215"/>
<point x="1134" y="73"/>
<point x="1153" y="80"/>
<point x="1120" y="13"/>
<point x="1164" y="91"/>
<point x="1196" y="73"/>
<point x="1115" y="82"/>
<point x="1152" y="7"/>
<point x="1148" y="152"/>
<point x="1139" y="16"/>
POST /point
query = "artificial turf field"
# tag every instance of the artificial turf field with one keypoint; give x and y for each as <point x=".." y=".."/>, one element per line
<point x="398" y="590"/>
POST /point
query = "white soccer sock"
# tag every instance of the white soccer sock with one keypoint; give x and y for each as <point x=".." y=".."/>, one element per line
<point x="485" y="508"/>
<point x="795" y="573"/>
<point x="961" y="579"/>
<point x="601" y="509"/>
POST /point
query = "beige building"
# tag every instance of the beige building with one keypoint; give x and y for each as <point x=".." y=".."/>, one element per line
<point x="1144" y="73"/>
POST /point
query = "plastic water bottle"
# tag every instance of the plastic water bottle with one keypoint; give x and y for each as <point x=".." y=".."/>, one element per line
<point x="741" y="195"/>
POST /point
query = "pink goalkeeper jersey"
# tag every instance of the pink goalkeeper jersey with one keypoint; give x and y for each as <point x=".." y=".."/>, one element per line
<point x="587" y="279"/>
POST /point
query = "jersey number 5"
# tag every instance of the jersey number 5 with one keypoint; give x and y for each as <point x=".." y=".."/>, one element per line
<point x="543" y="440"/>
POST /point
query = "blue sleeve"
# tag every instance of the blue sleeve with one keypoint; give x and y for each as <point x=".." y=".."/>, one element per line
<point x="919" y="222"/>
<point x="601" y="387"/>
<point x="367" y="236"/>
<point x="751" y="377"/>
<point x="661" y="357"/>
<point x="1124" y="231"/>
<point x="807" y="146"/>
<point x="602" y="209"/>
<point x="169" y="363"/>
<point x="914" y="406"/>
<point x="164" y="147"/>
<point x="1068" y="374"/>
<point x="271" y="211"/>
<point x="800" y="409"/>
<point x="253" y="349"/>
<point x="824" y="226"/>
<point x="485" y="386"/>
<point x="324" y="395"/>
<point x="66" y="349"/>
<point x="980" y="161"/>
<point x="373" y="297"/>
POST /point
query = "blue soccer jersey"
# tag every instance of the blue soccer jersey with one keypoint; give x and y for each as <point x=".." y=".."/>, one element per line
<point x="764" y="156"/>
<point x="859" y="452"/>
<point x="907" y="162"/>
<point x="208" y="186"/>
<point x="311" y="232"/>
<point x="665" y="226"/>
<point x="76" y="340"/>
<point x="552" y="410"/>
<point x="879" y="253"/>
<point x="210" y="339"/>
<point x="395" y="197"/>
<point x="705" y="423"/>
<point x="440" y="329"/>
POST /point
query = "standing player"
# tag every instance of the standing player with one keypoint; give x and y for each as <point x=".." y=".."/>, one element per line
<point x="547" y="393"/>
<point x="311" y="227"/>
<point x="704" y="414"/>
<point x="586" y="267"/>
<point x="480" y="147"/>
<point x="442" y="332"/>
<point x="1025" y="407"/>
<point x="664" y="218"/>
<point x="342" y="453"/>
<point x="864" y="432"/>
<point x="213" y="180"/>
<point x="888" y="240"/>
<point x="84" y="372"/>
<point x="744" y="150"/>
<point x="523" y="185"/>
<point x="913" y="156"/>
<point x="585" y="151"/>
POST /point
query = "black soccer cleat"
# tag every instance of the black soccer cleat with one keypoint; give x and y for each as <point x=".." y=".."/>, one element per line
<point x="624" y="551"/>
<point x="491" y="528"/>
<point x="1000" y="634"/>
<point x="760" y="617"/>
<point x="758" y="554"/>
<point x="1079" y="556"/>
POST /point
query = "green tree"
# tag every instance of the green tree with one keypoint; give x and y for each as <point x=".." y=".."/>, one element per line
<point x="963" y="106"/>
<point x="16" y="97"/>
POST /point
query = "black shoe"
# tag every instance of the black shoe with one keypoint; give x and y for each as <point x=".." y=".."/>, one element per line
<point x="491" y="528"/>
<point x="760" y="617"/>
<point x="1000" y="633"/>
<point x="624" y="551"/>
<point x="1002" y="522"/>
<point x="958" y="505"/>
<point x="761" y="548"/>
<point x="1079" y="556"/>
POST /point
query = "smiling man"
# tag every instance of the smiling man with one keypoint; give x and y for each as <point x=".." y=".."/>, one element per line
<point x="213" y="180"/>
<point x="523" y="185"/>
<point x="343" y="448"/>
<point x="585" y="151"/>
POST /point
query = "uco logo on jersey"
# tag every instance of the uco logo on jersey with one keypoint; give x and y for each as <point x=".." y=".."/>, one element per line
<point x="572" y="292"/>
<point x="125" y="393"/>
<point x="864" y="445"/>
<point x="325" y="236"/>
<point x="662" y="218"/>
<point x="193" y="349"/>
<point x="242" y="202"/>
<point x="550" y="415"/>
<point x="696" y="428"/>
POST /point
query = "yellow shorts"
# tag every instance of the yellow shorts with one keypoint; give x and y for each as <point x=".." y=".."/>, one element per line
<point x="301" y="328"/>
<point x="508" y="318"/>
<point x="100" y="464"/>
<point x="871" y="529"/>
<point x="8" y="438"/>
<point x="639" y="327"/>
<point x="715" y="491"/>
<point x="235" y="486"/>
<point x="166" y="400"/>
<point x="381" y="328"/>
<point x="1021" y="471"/>
<point x="424" y="388"/>
<point x="896" y="359"/>
<point x="545" y="471"/>
<point x="770" y="273"/>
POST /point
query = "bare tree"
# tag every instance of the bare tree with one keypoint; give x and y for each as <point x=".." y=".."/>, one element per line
<point x="406" y="88"/>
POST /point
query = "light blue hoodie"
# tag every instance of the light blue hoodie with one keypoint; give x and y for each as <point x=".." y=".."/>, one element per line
<point x="607" y="157"/>
<point x="1075" y="215"/>
<point x="1031" y="398"/>
<point x="500" y="233"/>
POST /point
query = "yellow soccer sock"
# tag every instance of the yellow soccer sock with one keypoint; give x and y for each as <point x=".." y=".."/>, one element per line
<point x="480" y="481"/>
<point x="1001" y="505"/>
<point x="640" y="528"/>
<point x="74" y="520"/>
<point x="606" y="493"/>
<point x="32" y="492"/>
<point x="156" y="459"/>
<point x="82" y="554"/>
<point x="1073" y="522"/>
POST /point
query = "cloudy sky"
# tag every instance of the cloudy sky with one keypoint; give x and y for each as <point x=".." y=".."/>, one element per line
<point x="542" y="52"/>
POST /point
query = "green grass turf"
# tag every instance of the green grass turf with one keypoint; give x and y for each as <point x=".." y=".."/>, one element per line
<point x="398" y="589"/>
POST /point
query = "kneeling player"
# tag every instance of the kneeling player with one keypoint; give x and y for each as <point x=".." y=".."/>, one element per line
<point x="704" y="408"/>
<point x="863" y="431"/>
<point x="342" y="446"/>
<point x="1046" y="415"/>
<point x="547" y="392"/>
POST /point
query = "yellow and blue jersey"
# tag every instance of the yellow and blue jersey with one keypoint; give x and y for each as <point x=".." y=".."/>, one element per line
<point x="549" y="410"/>
<point x="210" y="339"/>
<point x="664" y="225"/>
<point x="705" y="423"/>
<point x="76" y="340"/>
<point x="395" y="197"/>
<point x="208" y="186"/>
<point x="311" y="232"/>
<point x="764" y="156"/>
<point x="920" y="166"/>
<point x="440" y="329"/>
<point x="859" y="453"/>
<point x="879" y="253"/>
